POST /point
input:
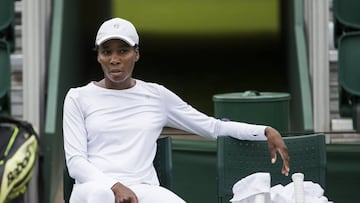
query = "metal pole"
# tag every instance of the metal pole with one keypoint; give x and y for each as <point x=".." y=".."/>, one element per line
<point x="35" y="18"/>
<point x="318" y="21"/>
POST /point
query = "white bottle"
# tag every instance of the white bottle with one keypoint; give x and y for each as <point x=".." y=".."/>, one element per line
<point x="299" y="194"/>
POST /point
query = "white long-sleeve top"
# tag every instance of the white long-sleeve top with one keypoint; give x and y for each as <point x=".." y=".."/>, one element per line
<point x="110" y="135"/>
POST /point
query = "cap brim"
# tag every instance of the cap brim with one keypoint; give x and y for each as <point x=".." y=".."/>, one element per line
<point x="109" y="37"/>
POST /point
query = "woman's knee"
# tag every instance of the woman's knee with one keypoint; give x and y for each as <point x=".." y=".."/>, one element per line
<point x="101" y="193"/>
<point x="152" y="193"/>
<point x="92" y="192"/>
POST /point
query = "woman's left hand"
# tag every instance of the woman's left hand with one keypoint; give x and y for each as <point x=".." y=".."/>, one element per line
<point x="277" y="144"/>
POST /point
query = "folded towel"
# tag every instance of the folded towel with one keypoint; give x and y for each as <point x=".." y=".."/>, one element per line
<point x="254" y="188"/>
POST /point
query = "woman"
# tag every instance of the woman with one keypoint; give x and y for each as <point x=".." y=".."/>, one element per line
<point x="111" y="126"/>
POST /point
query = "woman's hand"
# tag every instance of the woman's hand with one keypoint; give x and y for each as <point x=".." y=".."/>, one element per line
<point x="123" y="194"/>
<point x="276" y="144"/>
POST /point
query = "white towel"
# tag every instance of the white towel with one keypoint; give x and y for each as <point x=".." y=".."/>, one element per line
<point x="254" y="188"/>
<point x="313" y="193"/>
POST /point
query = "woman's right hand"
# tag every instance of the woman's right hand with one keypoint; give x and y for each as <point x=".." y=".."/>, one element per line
<point x="123" y="194"/>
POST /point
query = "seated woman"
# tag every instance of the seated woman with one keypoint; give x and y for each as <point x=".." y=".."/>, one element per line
<point x="111" y="126"/>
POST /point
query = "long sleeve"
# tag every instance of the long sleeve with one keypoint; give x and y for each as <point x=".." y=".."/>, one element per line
<point x="183" y="116"/>
<point x="110" y="135"/>
<point x="75" y="143"/>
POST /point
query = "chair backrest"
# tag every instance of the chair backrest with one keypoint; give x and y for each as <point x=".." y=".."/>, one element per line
<point x="5" y="78"/>
<point x="237" y="159"/>
<point x="7" y="13"/>
<point x="7" y="22"/>
<point x="346" y="18"/>
<point x="162" y="164"/>
<point x="349" y="60"/>
<point x="347" y="13"/>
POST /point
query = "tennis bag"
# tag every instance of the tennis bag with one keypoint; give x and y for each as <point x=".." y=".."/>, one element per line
<point x="18" y="152"/>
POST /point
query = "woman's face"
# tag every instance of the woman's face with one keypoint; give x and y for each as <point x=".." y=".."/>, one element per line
<point x="117" y="60"/>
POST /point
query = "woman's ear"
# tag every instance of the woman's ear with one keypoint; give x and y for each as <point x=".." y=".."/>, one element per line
<point x="137" y="57"/>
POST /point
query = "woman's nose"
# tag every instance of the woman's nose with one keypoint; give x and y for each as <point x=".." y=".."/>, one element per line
<point x="115" y="59"/>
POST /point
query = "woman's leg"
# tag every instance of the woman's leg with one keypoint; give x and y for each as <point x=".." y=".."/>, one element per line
<point x="91" y="192"/>
<point x="153" y="193"/>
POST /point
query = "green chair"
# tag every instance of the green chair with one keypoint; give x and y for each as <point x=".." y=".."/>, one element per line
<point x="349" y="74"/>
<point x="7" y="20"/>
<point x="162" y="164"/>
<point x="237" y="159"/>
<point x="347" y="12"/>
<point x="346" y="17"/>
<point x="5" y="79"/>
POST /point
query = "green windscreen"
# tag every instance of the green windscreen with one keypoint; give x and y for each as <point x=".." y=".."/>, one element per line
<point x="200" y="16"/>
<point x="198" y="48"/>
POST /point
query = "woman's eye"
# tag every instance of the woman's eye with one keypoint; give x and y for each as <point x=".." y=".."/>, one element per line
<point x="106" y="52"/>
<point x="120" y="51"/>
<point x="123" y="51"/>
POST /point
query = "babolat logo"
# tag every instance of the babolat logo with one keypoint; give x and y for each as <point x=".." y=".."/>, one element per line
<point x="20" y="166"/>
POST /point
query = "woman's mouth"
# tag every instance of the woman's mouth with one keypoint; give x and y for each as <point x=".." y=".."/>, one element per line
<point x="116" y="73"/>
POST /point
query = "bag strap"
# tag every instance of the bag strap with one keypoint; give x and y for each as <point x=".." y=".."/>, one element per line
<point x="24" y="124"/>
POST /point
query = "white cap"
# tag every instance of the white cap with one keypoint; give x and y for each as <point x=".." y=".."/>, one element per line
<point x="117" y="28"/>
